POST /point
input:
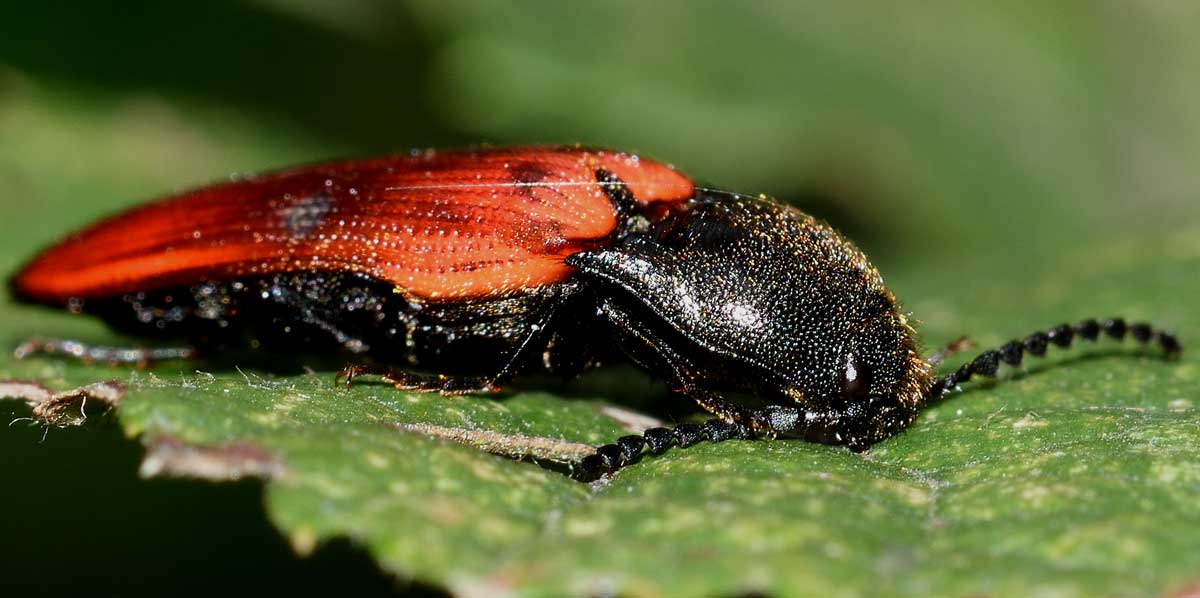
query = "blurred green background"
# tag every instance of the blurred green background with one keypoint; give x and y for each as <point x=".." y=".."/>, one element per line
<point x="972" y="142"/>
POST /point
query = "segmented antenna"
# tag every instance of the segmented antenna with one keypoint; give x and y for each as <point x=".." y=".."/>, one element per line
<point x="628" y="449"/>
<point x="1062" y="335"/>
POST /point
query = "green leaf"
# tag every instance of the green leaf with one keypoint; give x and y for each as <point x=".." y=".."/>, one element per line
<point x="1077" y="477"/>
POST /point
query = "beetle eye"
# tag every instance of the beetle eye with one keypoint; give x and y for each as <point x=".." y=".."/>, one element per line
<point x="856" y="379"/>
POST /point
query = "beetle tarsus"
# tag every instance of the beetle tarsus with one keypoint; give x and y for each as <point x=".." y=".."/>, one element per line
<point x="610" y="458"/>
<point x="85" y="353"/>
<point x="956" y="346"/>
<point x="402" y="380"/>
<point x="1013" y="352"/>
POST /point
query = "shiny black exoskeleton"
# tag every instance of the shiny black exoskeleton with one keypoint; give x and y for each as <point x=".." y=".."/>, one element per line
<point x="748" y="296"/>
<point x="729" y="296"/>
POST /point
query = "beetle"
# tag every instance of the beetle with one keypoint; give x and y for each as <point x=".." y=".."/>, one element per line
<point x="456" y="271"/>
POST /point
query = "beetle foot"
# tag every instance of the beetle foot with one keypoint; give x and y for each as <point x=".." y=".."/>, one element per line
<point x="609" y="458"/>
<point x="958" y="345"/>
<point x="446" y="385"/>
<point x="350" y="372"/>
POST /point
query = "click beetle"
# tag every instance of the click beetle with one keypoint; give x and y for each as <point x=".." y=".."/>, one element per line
<point x="456" y="271"/>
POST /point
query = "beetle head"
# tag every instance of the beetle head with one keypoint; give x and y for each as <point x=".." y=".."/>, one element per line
<point x="749" y="295"/>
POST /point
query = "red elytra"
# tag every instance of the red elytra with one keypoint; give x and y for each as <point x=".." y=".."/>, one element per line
<point x="445" y="225"/>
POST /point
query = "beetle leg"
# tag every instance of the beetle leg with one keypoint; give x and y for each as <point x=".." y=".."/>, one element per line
<point x="139" y="356"/>
<point x="446" y="385"/>
<point x="955" y="346"/>
<point x="457" y="385"/>
<point x="717" y="405"/>
<point x="732" y="421"/>
<point x="680" y="367"/>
